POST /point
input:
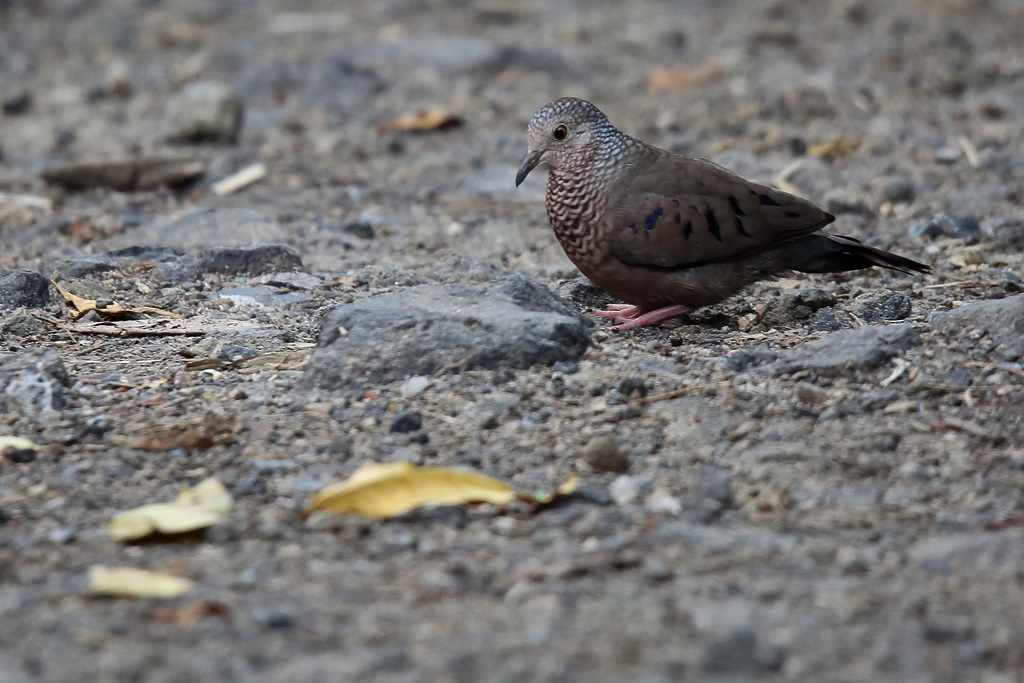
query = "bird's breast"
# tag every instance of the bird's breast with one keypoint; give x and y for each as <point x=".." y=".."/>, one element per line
<point x="574" y="211"/>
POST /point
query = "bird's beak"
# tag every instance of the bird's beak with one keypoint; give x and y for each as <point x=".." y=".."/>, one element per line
<point x="529" y="163"/>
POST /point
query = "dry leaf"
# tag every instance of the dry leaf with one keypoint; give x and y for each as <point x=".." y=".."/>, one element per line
<point x="16" y="443"/>
<point x="135" y="583"/>
<point x="81" y="306"/>
<point x="669" y="78"/>
<point x="196" y="508"/>
<point x="421" y="122"/>
<point x="833" y="149"/>
<point x="386" y="490"/>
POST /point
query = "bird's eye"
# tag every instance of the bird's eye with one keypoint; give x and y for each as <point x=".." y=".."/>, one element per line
<point x="560" y="132"/>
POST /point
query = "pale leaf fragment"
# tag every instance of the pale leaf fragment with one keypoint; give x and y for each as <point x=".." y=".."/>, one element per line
<point x="196" y="508"/>
<point x="135" y="583"/>
<point x="387" y="490"/>
<point x="421" y="122"/>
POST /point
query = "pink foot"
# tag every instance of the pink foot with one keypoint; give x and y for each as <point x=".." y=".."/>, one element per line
<point x="617" y="311"/>
<point x="639" y="318"/>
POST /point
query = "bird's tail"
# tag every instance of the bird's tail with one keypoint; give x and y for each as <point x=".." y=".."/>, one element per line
<point x="823" y="253"/>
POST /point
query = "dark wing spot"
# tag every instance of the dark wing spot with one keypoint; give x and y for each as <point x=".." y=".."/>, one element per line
<point x="734" y="204"/>
<point x="687" y="229"/>
<point x="713" y="226"/>
<point x="766" y="200"/>
<point x="676" y="202"/>
<point x="740" y="229"/>
<point x="792" y="214"/>
<point x="632" y="226"/>
<point x="677" y="218"/>
<point x="652" y="220"/>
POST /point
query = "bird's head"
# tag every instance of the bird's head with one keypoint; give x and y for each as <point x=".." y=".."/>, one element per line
<point x="561" y="132"/>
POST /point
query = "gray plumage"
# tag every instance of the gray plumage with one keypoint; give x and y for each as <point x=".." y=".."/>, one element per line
<point x="669" y="233"/>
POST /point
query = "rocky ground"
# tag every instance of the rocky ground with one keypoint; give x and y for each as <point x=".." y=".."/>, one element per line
<point x="821" y="480"/>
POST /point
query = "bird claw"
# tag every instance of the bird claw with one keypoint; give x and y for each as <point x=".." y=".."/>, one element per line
<point x="617" y="311"/>
<point x="639" y="318"/>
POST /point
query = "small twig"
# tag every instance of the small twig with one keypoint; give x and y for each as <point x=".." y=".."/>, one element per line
<point x="243" y="178"/>
<point x="970" y="151"/>
<point x="675" y="393"/>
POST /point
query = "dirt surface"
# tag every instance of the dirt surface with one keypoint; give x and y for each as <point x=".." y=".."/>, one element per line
<point x="821" y="480"/>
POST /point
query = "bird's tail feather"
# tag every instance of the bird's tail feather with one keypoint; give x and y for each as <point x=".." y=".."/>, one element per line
<point x="824" y="253"/>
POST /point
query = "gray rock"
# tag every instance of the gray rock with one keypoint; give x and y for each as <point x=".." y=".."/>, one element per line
<point x="840" y="201"/>
<point x="22" y="326"/>
<point x="876" y="308"/>
<point x="1001" y="319"/>
<point x="206" y="112"/>
<point x="33" y="382"/>
<point x="968" y="552"/>
<point x="255" y="260"/>
<point x="512" y="322"/>
<point x="582" y="292"/>
<point x="200" y="228"/>
<point x="716" y="484"/>
<point x="1005" y="229"/>
<point x="16" y="101"/>
<point x="740" y="652"/>
<point x="23" y="288"/>
<point x="797" y="304"/>
<point x="838" y="353"/>
<point x="897" y="189"/>
<point x="963" y="227"/>
<point x="825" y="320"/>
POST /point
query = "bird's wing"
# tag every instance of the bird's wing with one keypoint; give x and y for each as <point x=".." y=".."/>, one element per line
<point x="671" y="211"/>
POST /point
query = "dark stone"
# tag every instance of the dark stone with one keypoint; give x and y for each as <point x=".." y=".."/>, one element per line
<point x="796" y="304"/>
<point x="739" y="652"/>
<point x="963" y="227"/>
<point x="511" y="322"/>
<point x="16" y="101"/>
<point x="876" y="308"/>
<point x="23" y="288"/>
<point x="407" y="421"/>
<point x="632" y="387"/>
<point x="20" y="455"/>
<point x="584" y="293"/>
<point x="825" y="320"/>
<point x="360" y="229"/>
<point x="256" y="260"/>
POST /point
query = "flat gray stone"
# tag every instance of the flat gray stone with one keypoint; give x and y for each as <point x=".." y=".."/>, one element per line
<point x="196" y="229"/>
<point x="511" y="322"/>
<point x="1002" y="320"/>
<point x="860" y="350"/>
<point x="23" y="288"/>
<point x="33" y="382"/>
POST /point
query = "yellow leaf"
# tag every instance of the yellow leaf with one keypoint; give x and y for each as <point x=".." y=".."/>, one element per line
<point x="564" y="489"/>
<point x="16" y="443"/>
<point x="135" y="583"/>
<point x="197" y="508"/>
<point x="386" y="490"/>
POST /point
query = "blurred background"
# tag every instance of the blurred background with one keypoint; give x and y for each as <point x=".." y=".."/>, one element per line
<point x="881" y="110"/>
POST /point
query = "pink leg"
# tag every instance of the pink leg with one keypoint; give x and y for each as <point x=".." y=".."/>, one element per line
<point x="617" y="311"/>
<point x="649" y="318"/>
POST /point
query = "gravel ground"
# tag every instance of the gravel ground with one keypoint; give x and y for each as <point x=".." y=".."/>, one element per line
<point x="821" y="480"/>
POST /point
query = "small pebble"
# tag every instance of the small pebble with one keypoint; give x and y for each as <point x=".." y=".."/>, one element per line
<point x="407" y="421"/>
<point x="603" y="455"/>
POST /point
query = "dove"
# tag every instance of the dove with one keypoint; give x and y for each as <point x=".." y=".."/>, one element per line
<point x="668" y="233"/>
